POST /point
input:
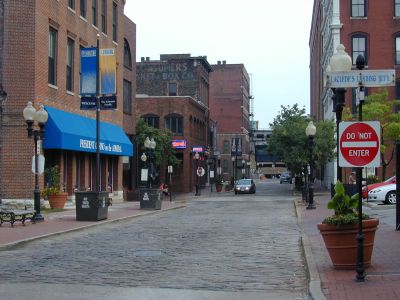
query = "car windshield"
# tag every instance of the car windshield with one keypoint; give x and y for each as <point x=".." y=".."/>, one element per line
<point x="390" y="179"/>
<point x="244" y="181"/>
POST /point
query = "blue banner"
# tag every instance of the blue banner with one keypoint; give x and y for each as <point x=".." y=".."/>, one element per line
<point x="107" y="71"/>
<point x="89" y="59"/>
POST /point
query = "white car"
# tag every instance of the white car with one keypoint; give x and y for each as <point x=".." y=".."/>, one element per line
<point x="384" y="193"/>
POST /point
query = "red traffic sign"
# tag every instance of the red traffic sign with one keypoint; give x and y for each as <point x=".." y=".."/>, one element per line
<point x="359" y="144"/>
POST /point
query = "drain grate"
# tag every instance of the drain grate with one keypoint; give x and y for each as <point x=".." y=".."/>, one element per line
<point x="147" y="253"/>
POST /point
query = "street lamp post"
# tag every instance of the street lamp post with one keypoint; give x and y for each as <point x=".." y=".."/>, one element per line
<point x="243" y="167"/>
<point x="339" y="62"/>
<point x="233" y="168"/>
<point x="197" y="157"/>
<point x="40" y="116"/>
<point x="310" y="132"/>
<point x="150" y="146"/>
<point x="360" y="63"/>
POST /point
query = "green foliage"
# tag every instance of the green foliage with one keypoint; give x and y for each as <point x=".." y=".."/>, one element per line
<point x="218" y="180"/>
<point x="289" y="142"/>
<point x="378" y="107"/>
<point x="372" y="179"/>
<point x="344" y="207"/>
<point x="52" y="177"/>
<point x="164" y="152"/>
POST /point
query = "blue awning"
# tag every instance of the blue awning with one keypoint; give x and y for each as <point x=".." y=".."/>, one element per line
<point x="65" y="130"/>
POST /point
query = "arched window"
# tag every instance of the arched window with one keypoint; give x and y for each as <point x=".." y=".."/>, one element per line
<point x="359" y="46"/>
<point x="152" y="120"/>
<point x="127" y="55"/>
<point x="174" y="122"/>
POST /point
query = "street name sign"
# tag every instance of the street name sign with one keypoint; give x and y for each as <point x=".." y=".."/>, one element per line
<point x="359" y="144"/>
<point x="366" y="78"/>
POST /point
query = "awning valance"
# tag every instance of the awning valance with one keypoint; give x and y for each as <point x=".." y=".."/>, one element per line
<point x="65" y="130"/>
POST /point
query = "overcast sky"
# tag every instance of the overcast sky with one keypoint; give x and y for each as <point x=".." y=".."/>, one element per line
<point x="269" y="37"/>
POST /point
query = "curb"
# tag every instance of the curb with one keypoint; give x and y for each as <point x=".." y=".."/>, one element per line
<point x="314" y="283"/>
<point x="105" y="222"/>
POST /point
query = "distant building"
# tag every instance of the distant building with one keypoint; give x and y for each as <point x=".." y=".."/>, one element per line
<point x="40" y="62"/>
<point x="230" y="109"/>
<point x="371" y="28"/>
<point x="173" y="93"/>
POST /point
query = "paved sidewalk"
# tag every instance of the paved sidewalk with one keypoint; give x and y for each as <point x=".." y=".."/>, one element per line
<point x="383" y="277"/>
<point x="61" y="222"/>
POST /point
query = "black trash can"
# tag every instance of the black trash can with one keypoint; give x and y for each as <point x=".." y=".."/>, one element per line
<point x="92" y="206"/>
<point x="150" y="198"/>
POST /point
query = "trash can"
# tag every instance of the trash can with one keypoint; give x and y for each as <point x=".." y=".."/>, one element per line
<point x="92" y="206"/>
<point x="150" y="198"/>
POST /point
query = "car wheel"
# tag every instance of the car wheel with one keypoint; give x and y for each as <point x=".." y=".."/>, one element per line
<point x="390" y="197"/>
<point x="235" y="193"/>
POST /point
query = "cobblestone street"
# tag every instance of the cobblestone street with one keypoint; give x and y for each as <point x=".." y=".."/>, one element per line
<point x="221" y="243"/>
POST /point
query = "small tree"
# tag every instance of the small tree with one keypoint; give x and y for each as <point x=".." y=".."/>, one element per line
<point x="378" y="107"/>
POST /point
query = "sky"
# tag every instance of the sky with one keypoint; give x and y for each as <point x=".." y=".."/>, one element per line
<point x="269" y="37"/>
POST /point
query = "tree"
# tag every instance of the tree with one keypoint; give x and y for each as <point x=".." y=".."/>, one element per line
<point x="289" y="142"/>
<point x="378" y="107"/>
<point x="164" y="152"/>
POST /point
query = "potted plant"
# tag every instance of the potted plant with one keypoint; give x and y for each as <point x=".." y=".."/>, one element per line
<point x="339" y="231"/>
<point x="218" y="183"/>
<point x="53" y="191"/>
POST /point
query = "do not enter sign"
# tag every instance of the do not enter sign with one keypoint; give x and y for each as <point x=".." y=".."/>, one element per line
<point x="359" y="144"/>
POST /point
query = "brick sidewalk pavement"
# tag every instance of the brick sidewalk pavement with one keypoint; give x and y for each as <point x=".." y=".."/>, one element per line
<point x="383" y="277"/>
<point x="61" y="222"/>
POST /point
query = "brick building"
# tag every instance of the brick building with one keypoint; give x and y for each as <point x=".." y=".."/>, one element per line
<point x="371" y="28"/>
<point x="40" y="62"/>
<point x="173" y="93"/>
<point x="229" y="107"/>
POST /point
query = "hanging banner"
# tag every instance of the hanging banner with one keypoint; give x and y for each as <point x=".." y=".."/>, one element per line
<point x="88" y="71"/>
<point x="107" y="71"/>
<point x="236" y="147"/>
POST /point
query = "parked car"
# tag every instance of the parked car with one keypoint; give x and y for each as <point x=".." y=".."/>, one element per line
<point x="370" y="187"/>
<point x="245" y="186"/>
<point x="285" y="177"/>
<point x="385" y="193"/>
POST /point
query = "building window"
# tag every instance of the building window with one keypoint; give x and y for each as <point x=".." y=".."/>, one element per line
<point x="397" y="8"/>
<point x="358" y="8"/>
<point x="397" y="49"/>
<point x="127" y="55"/>
<point x="83" y="8"/>
<point x="104" y="16"/>
<point x="127" y="97"/>
<point x="225" y="166"/>
<point x="70" y="65"/>
<point x="94" y="12"/>
<point x="172" y="89"/>
<point x="227" y="147"/>
<point x="115" y="22"/>
<point x="71" y="4"/>
<point x="174" y="123"/>
<point x="152" y="120"/>
<point x="52" y="56"/>
<point x="359" y="46"/>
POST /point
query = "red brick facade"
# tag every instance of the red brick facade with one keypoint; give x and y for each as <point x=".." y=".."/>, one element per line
<point x="24" y="77"/>
<point x="229" y="107"/>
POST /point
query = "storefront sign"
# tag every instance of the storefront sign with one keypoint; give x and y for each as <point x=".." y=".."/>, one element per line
<point x="91" y="145"/>
<point x="179" y="144"/>
<point x="197" y="149"/>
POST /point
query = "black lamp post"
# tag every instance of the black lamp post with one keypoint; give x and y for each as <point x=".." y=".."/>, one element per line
<point x="150" y="146"/>
<point x="360" y="63"/>
<point x="310" y="132"/>
<point x="339" y="62"/>
<point x="233" y="168"/>
<point x="197" y="157"/>
<point x="40" y="116"/>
